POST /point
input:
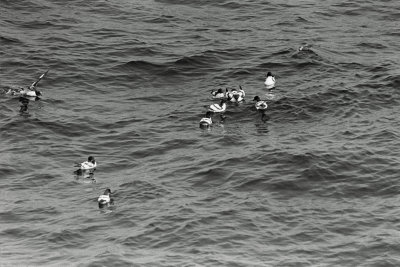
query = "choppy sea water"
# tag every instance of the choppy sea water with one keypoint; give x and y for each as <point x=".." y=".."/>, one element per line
<point x="317" y="184"/>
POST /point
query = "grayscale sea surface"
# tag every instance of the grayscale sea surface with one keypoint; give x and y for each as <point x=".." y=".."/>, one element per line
<point x="316" y="184"/>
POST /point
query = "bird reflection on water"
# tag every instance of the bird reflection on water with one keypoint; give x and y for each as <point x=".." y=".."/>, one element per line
<point x="85" y="176"/>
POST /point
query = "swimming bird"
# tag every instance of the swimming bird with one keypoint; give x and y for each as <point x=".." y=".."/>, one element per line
<point x="218" y="94"/>
<point x="269" y="81"/>
<point x="221" y="107"/>
<point x="305" y="47"/>
<point x="24" y="92"/>
<point x="105" y="198"/>
<point x="31" y="91"/>
<point x="236" y="96"/>
<point x="90" y="164"/>
<point x="260" y="104"/>
<point x="206" y="121"/>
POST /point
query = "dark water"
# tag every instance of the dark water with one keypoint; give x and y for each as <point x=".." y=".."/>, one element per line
<point x="315" y="185"/>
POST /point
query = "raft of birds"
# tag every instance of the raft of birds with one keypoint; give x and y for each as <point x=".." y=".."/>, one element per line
<point x="88" y="167"/>
<point x="234" y="96"/>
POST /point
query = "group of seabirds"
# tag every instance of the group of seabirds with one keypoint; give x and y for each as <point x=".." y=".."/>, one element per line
<point x="85" y="168"/>
<point x="234" y="96"/>
<point x="88" y="167"/>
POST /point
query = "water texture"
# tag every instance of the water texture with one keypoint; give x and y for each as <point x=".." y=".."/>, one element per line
<point x="314" y="183"/>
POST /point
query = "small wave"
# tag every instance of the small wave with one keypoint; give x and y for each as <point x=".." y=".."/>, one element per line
<point x="192" y="65"/>
<point x="32" y="6"/>
<point x="283" y="51"/>
<point x="188" y="3"/>
<point x="351" y="65"/>
<point x="307" y="54"/>
<point x="303" y="20"/>
<point x="191" y="61"/>
<point x="38" y="25"/>
<point x="8" y="40"/>
<point x="141" y="65"/>
<point x="353" y="12"/>
<point x="392" y="81"/>
<point x="144" y="51"/>
<point x="29" y="181"/>
<point x="9" y="217"/>
<point x="66" y="239"/>
<point x="372" y="45"/>
<point x="285" y="24"/>
<point x="230" y="30"/>
<point x="385" y="136"/>
<point x="107" y="33"/>
<point x="59" y="128"/>
<point x="233" y="5"/>
<point x="109" y="259"/>
<point x="163" y="19"/>
<point x="211" y="177"/>
<point x="210" y="58"/>
<point x="319" y="174"/>
<point x="185" y="65"/>
<point x="142" y="190"/>
<point x="22" y="233"/>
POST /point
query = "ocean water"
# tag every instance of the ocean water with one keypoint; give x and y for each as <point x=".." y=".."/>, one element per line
<point x="315" y="182"/>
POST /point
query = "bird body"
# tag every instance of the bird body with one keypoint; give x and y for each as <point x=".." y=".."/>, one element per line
<point x="221" y="107"/>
